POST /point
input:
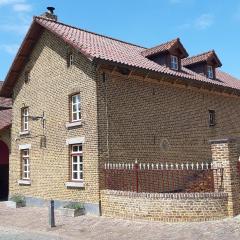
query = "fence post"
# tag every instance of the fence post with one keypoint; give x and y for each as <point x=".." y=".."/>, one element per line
<point x="136" y="167"/>
<point x="226" y="152"/>
<point x="51" y="214"/>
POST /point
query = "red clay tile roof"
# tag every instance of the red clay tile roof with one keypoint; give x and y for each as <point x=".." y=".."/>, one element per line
<point x="163" y="48"/>
<point x="5" y="114"/>
<point x="5" y="102"/>
<point x="5" y="118"/>
<point x="201" y="58"/>
<point x="97" y="47"/>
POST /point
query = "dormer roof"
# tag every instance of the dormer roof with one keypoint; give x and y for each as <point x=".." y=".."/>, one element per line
<point x="168" y="46"/>
<point x="203" y="57"/>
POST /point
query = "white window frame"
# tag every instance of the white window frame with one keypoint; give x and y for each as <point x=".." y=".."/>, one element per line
<point x="79" y="162"/>
<point x="25" y="119"/>
<point x="76" y="112"/>
<point x="70" y="59"/>
<point x="210" y="71"/>
<point x="174" y="62"/>
<point x="25" y="162"/>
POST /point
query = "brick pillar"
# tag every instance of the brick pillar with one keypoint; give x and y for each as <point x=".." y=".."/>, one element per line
<point x="226" y="152"/>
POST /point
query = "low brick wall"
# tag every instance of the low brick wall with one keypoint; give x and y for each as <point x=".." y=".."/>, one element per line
<point x="170" y="207"/>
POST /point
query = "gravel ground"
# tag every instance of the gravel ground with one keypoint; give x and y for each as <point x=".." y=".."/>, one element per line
<point x="31" y="223"/>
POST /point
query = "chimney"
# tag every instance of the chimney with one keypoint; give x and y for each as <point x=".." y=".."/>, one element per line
<point x="50" y="14"/>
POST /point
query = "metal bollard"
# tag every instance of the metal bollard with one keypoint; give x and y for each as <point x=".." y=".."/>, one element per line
<point x="51" y="214"/>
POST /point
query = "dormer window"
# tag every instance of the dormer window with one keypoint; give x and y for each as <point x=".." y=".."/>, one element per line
<point x="168" y="54"/>
<point x="174" y="62"/>
<point x="204" y="64"/>
<point x="209" y="71"/>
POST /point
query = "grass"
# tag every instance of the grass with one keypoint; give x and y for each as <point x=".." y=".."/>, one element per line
<point x="76" y="206"/>
<point x="19" y="199"/>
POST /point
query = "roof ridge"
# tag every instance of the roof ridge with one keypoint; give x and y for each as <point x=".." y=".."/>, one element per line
<point x="200" y="54"/>
<point x="173" y="40"/>
<point x="98" y="34"/>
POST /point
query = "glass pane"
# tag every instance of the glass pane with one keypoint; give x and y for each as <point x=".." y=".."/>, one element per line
<point x="74" y="167"/>
<point x="25" y="152"/>
<point x="74" y="99"/>
<point x="78" y="98"/>
<point x="74" y="108"/>
<point x="75" y="175"/>
<point x="25" y="168"/>
<point x="79" y="115"/>
<point x="74" y="159"/>
<point x="74" y="116"/>
<point x="81" y="167"/>
<point x="81" y="175"/>
<point x="81" y="158"/>
<point x="75" y="148"/>
<point x="80" y="147"/>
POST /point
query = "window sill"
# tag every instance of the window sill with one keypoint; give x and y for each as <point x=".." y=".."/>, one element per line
<point x="73" y="124"/>
<point x="24" y="133"/>
<point x="74" y="184"/>
<point x="24" y="182"/>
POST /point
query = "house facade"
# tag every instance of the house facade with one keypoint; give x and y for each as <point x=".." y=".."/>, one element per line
<point x="81" y="99"/>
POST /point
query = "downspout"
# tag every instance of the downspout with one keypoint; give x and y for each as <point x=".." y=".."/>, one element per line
<point x="104" y="80"/>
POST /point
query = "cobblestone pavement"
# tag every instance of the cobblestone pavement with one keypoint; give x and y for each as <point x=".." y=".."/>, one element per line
<point x="31" y="223"/>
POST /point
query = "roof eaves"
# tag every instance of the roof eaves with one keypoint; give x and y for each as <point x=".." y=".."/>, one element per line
<point x="190" y="80"/>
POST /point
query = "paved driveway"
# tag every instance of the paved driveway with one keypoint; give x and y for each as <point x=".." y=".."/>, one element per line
<point x="31" y="223"/>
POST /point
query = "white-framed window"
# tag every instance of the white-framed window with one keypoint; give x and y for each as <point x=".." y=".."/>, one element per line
<point x="25" y="164"/>
<point x="70" y="59"/>
<point x="77" y="162"/>
<point x="76" y="107"/>
<point x="210" y="71"/>
<point x="25" y="119"/>
<point x="174" y="62"/>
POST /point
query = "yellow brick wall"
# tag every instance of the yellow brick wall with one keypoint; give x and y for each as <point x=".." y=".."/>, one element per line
<point x="48" y="90"/>
<point x="155" y="122"/>
<point x="170" y="207"/>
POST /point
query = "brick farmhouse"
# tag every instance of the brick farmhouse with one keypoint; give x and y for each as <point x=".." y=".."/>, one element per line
<point x="81" y="100"/>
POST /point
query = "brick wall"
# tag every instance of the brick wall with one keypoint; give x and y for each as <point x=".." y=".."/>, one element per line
<point x="156" y="122"/>
<point x="226" y="152"/>
<point x="48" y="90"/>
<point x="171" y="207"/>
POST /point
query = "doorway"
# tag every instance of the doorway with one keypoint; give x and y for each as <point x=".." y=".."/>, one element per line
<point x="4" y="171"/>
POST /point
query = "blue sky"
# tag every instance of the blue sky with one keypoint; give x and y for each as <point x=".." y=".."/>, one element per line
<point x="201" y="24"/>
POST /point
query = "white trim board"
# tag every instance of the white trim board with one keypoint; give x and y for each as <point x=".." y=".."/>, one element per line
<point x="75" y="140"/>
<point x="24" y="146"/>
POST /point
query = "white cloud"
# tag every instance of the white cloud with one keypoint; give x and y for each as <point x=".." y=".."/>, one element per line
<point x="22" y="7"/>
<point x="15" y="28"/>
<point x="9" y="48"/>
<point x="201" y="23"/>
<point x="10" y="2"/>
<point x="204" y="21"/>
<point x="17" y="5"/>
<point x="19" y="22"/>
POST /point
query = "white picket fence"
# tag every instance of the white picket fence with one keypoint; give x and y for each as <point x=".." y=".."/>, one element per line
<point x="162" y="166"/>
